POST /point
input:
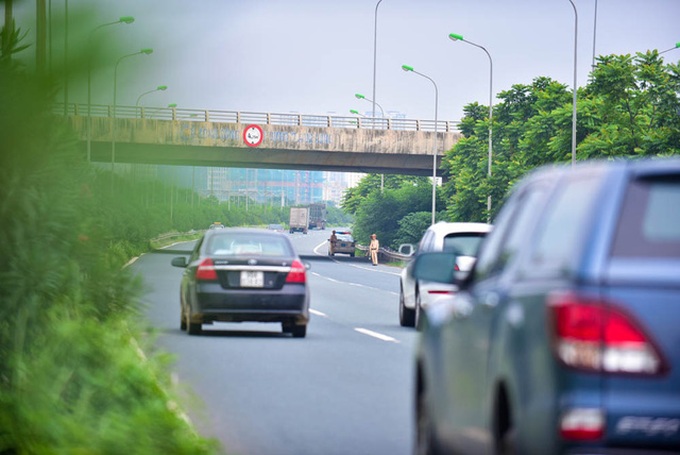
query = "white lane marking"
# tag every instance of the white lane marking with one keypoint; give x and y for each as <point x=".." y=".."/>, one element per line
<point x="348" y="283"/>
<point x="377" y="335"/>
<point x="318" y="313"/>
<point x="324" y="243"/>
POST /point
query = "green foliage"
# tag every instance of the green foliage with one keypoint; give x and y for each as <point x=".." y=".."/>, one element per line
<point x="337" y="217"/>
<point x="629" y="108"/>
<point x="380" y="212"/>
<point x="72" y="377"/>
<point x="412" y="227"/>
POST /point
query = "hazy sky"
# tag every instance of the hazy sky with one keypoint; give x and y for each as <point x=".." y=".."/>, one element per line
<point x="312" y="56"/>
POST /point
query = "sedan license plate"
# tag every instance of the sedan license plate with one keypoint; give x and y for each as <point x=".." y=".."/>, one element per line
<point x="250" y="279"/>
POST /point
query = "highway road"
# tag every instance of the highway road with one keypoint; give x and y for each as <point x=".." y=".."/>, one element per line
<point x="344" y="389"/>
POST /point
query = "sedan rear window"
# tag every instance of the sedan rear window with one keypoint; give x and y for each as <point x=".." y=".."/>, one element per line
<point x="249" y="245"/>
<point x="650" y="220"/>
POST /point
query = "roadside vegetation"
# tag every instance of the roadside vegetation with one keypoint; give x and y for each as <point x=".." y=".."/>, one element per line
<point x="77" y="375"/>
<point x="78" y="372"/>
<point x="629" y="108"/>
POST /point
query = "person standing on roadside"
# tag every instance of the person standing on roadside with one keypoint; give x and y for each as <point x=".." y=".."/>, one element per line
<point x="333" y="240"/>
<point x="373" y="248"/>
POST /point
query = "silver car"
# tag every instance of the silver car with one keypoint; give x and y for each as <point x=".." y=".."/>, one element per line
<point x="461" y="238"/>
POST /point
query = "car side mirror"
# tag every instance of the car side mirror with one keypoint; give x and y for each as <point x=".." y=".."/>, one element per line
<point x="179" y="261"/>
<point x="437" y="267"/>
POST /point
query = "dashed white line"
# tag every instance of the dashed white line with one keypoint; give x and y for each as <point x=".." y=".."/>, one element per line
<point x="377" y="335"/>
<point x="318" y="313"/>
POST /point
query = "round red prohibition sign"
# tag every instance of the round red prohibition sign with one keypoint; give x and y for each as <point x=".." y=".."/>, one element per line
<point x="253" y="135"/>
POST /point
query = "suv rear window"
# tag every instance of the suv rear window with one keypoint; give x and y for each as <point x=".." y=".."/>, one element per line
<point x="465" y="244"/>
<point x="650" y="220"/>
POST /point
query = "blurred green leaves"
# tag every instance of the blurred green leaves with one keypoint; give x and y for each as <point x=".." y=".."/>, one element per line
<point x="72" y="375"/>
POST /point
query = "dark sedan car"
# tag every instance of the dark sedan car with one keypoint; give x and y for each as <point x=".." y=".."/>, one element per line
<point x="239" y="274"/>
<point x="565" y="337"/>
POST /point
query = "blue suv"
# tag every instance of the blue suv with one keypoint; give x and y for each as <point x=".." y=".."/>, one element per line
<point x="565" y="336"/>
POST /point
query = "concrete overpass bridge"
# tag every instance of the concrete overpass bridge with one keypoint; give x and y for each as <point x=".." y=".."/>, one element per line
<point x="195" y="137"/>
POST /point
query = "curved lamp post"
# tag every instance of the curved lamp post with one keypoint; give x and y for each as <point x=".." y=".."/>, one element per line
<point x="457" y="37"/>
<point x="573" y="108"/>
<point x="677" y="45"/>
<point x="160" y="88"/>
<point x="409" y="69"/>
<point x="145" y="51"/>
<point x="355" y="112"/>
<point x="121" y="20"/>
<point x="359" y="96"/>
<point x="375" y="51"/>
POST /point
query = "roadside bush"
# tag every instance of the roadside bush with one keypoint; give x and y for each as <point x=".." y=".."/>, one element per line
<point x="72" y="377"/>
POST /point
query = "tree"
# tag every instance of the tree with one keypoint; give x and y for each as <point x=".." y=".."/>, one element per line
<point x="380" y="212"/>
<point x="637" y="104"/>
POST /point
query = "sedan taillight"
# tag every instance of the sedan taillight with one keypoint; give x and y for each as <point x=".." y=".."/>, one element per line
<point x="297" y="274"/>
<point x="595" y="335"/>
<point x="206" y="271"/>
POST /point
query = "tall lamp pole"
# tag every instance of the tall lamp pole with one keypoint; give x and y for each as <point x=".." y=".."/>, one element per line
<point x="409" y="69"/>
<point x="592" y="64"/>
<point x="146" y="51"/>
<point x="121" y="20"/>
<point x="375" y="49"/>
<point x="573" y="108"/>
<point x="456" y="37"/>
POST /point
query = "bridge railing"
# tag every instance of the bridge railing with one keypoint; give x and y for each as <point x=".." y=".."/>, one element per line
<point x="261" y="118"/>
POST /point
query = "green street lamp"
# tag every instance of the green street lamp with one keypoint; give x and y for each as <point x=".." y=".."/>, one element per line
<point x="160" y="88"/>
<point x="457" y="37"/>
<point x="355" y="112"/>
<point x="359" y="96"/>
<point x="121" y="20"/>
<point x="677" y="45"/>
<point x="375" y="51"/>
<point x="145" y="51"/>
<point x="409" y="69"/>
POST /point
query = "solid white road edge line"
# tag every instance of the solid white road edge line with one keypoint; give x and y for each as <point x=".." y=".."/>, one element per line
<point x="377" y="335"/>
<point x="325" y="242"/>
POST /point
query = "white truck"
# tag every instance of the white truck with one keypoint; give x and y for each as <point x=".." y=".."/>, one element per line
<point x="299" y="219"/>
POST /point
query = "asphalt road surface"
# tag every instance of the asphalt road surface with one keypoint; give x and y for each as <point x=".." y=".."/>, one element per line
<point x="344" y="389"/>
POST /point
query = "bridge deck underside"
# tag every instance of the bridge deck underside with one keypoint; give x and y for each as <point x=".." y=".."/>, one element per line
<point x="187" y="155"/>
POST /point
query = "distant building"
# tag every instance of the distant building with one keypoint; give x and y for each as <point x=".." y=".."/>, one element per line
<point x="266" y="186"/>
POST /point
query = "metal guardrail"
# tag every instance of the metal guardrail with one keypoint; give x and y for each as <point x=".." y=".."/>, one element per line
<point x="388" y="254"/>
<point x="260" y="118"/>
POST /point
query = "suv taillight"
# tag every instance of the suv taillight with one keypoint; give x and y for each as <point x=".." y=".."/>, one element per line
<point x="206" y="271"/>
<point x="298" y="273"/>
<point x="595" y="335"/>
